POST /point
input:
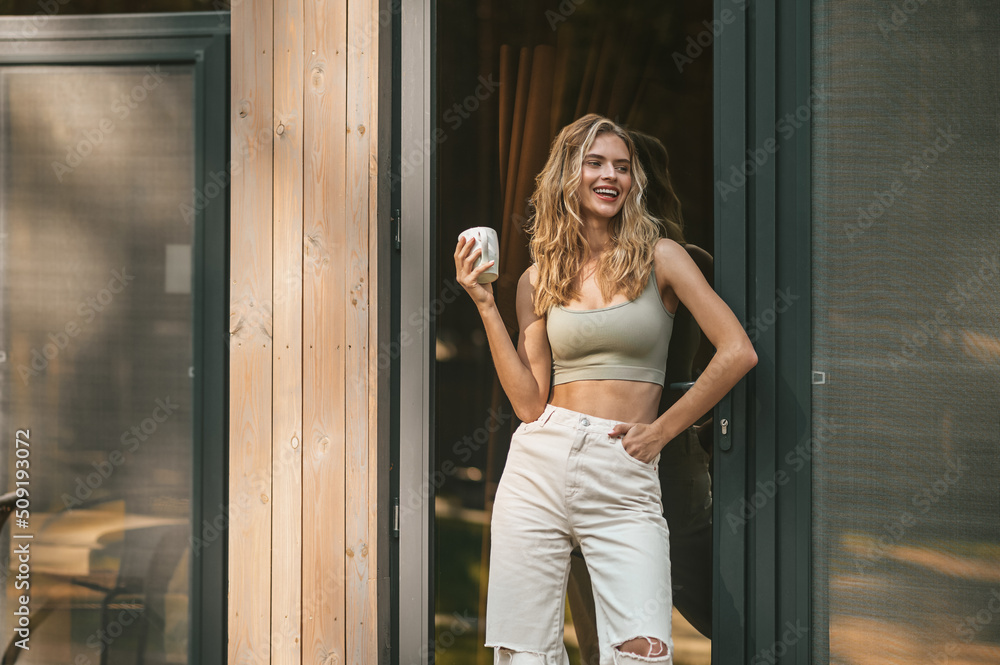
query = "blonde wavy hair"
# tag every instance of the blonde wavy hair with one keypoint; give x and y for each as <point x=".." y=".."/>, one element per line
<point x="558" y="246"/>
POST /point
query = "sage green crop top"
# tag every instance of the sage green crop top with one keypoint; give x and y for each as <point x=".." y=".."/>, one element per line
<point x="627" y="341"/>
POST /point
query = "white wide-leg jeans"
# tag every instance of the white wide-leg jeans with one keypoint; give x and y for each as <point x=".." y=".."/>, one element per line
<point x="566" y="482"/>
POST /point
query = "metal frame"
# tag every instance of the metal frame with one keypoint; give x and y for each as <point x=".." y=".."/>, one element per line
<point x="762" y="281"/>
<point x="794" y="331"/>
<point x="201" y="39"/>
<point x="729" y="588"/>
<point x="390" y="110"/>
<point x="763" y="244"/>
<point x="416" y="340"/>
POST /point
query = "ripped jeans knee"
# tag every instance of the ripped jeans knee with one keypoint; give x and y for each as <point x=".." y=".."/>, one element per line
<point x="505" y="656"/>
<point x="656" y="651"/>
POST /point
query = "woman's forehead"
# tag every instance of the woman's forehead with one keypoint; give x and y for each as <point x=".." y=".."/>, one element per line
<point x="609" y="146"/>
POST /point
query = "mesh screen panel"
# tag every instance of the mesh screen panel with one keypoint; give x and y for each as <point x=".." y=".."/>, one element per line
<point x="906" y="270"/>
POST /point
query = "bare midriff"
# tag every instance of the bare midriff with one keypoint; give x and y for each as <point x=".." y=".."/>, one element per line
<point x="613" y="399"/>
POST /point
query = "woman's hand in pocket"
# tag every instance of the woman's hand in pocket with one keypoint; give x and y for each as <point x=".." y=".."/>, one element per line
<point x="640" y="441"/>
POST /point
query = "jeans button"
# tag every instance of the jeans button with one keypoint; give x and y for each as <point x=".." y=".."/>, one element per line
<point x="585" y="422"/>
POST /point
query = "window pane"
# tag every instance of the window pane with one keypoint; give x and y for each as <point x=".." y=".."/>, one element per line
<point x="905" y="290"/>
<point x="95" y="264"/>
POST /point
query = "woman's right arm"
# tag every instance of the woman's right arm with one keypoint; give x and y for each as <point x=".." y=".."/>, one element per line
<point x="523" y="372"/>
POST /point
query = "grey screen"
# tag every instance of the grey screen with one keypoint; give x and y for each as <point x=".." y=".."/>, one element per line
<point x="906" y="270"/>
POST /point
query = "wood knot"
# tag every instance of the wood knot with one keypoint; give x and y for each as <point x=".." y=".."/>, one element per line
<point x="317" y="77"/>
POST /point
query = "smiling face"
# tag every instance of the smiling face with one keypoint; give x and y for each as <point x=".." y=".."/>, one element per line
<point x="605" y="178"/>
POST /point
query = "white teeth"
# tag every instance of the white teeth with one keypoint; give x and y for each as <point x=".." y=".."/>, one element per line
<point x="606" y="192"/>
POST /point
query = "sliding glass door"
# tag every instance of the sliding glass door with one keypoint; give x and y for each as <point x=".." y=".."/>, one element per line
<point x="112" y="283"/>
<point x="485" y="88"/>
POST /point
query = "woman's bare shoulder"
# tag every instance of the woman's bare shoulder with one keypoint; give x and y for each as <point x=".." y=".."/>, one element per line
<point x="673" y="262"/>
<point x="530" y="276"/>
<point x="702" y="259"/>
<point x="526" y="285"/>
<point x="667" y="252"/>
<point x="526" y="296"/>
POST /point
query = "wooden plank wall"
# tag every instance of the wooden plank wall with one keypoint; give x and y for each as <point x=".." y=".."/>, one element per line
<point x="307" y="405"/>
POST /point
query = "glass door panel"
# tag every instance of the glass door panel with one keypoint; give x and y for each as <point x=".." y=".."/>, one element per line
<point x="96" y="241"/>
<point x="508" y="77"/>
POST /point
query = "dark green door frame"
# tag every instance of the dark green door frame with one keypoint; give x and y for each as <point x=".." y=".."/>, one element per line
<point x="729" y="621"/>
<point x="202" y="40"/>
<point x="762" y="521"/>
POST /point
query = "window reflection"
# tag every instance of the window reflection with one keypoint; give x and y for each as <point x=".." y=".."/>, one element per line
<point x="95" y="264"/>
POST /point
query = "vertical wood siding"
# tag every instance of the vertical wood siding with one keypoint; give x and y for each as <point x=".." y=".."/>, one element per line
<point x="324" y="483"/>
<point x="307" y="403"/>
<point x="287" y="389"/>
<point x="361" y="69"/>
<point x="250" y="335"/>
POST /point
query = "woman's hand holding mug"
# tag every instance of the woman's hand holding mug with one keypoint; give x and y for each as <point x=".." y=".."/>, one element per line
<point x="475" y="274"/>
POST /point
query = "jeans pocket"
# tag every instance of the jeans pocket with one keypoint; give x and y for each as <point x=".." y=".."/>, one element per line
<point x="619" y="443"/>
<point x="535" y="425"/>
<point x="527" y="428"/>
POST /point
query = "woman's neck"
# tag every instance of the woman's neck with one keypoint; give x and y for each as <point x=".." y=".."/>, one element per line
<point x="597" y="235"/>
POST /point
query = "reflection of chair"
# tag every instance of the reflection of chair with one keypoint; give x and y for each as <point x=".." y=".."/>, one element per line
<point x="7" y="502"/>
<point x="150" y="552"/>
<point x="149" y="558"/>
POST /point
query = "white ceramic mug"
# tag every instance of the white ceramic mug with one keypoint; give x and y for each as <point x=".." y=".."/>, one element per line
<point x="485" y="238"/>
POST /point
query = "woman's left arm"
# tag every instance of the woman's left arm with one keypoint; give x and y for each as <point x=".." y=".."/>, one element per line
<point x="734" y="354"/>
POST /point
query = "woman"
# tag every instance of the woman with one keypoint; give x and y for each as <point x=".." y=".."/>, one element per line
<point x="595" y="315"/>
<point x="684" y="466"/>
